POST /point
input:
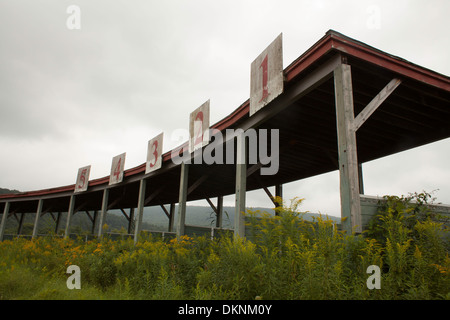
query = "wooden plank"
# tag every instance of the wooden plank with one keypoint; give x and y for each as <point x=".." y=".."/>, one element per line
<point x="69" y="215"/>
<point x="94" y="221"/>
<point x="241" y="186"/>
<point x="375" y="103"/>
<point x="197" y="183"/>
<point x="4" y="217"/>
<point x="57" y="222"/>
<point x="103" y="212"/>
<point x="22" y="217"/>
<point x="172" y="217"/>
<point x="36" y="220"/>
<point x="131" y="221"/>
<point x="219" y="212"/>
<point x="348" y="162"/>
<point x="140" y="209"/>
<point x="182" y="199"/>
<point x="165" y="210"/>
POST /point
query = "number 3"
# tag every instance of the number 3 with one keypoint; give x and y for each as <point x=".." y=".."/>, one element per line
<point x="155" y="153"/>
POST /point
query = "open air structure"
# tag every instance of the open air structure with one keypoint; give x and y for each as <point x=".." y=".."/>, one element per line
<point x="343" y="103"/>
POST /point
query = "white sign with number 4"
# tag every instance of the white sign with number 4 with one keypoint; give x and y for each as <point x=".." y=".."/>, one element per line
<point x="117" y="166"/>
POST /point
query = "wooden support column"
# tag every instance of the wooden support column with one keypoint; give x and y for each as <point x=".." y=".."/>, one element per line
<point x="131" y="221"/>
<point x="171" y="216"/>
<point x="3" y="223"/>
<point x="103" y="212"/>
<point x="182" y="198"/>
<point x="36" y="220"/>
<point x="58" y="220"/>
<point x="348" y="161"/>
<point x="69" y="215"/>
<point x="140" y="209"/>
<point x="241" y="186"/>
<point x="22" y="217"/>
<point x="360" y="176"/>
<point x="219" y="212"/>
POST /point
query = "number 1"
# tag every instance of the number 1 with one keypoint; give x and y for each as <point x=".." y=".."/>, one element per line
<point x="117" y="170"/>
<point x="264" y="67"/>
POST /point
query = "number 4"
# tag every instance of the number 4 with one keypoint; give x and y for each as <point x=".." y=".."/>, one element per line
<point x="117" y="166"/>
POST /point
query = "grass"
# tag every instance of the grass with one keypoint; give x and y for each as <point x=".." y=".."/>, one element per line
<point x="287" y="258"/>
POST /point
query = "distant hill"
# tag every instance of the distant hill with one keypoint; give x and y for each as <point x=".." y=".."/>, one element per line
<point x="154" y="219"/>
<point x="205" y="216"/>
<point x="6" y="191"/>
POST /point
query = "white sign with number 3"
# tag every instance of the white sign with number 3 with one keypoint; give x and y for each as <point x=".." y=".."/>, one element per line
<point x="117" y="166"/>
<point x="154" y="152"/>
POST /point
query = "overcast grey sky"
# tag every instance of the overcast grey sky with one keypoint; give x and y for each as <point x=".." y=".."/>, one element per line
<point x="70" y="98"/>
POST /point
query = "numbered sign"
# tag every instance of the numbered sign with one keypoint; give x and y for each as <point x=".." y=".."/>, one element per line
<point x="199" y="127"/>
<point x="154" y="152"/>
<point x="117" y="166"/>
<point x="266" y="76"/>
<point x="82" y="179"/>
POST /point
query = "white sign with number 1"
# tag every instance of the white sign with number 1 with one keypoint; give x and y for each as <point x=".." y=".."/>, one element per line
<point x="266" y="76"/>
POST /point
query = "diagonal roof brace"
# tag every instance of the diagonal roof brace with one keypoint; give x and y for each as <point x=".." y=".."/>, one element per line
<point x="375" y="103"/>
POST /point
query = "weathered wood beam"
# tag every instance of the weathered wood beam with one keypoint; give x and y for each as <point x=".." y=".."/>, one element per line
<point x="103" y="212"/>
<point x="4" y="217"/>
<point x="197" y="183"/>
<point x="182" y="199"/>
<point x="36" y="220"/>
<point x="69" y="215"/>
<point x="172" y="217"/>
<point x="140" y="209"/>
<point x="241" y="186"/>
<point x="348" y="161"/>
<point x="375" y="103"/>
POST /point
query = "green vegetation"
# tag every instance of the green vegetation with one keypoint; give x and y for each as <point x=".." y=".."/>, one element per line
<point x="286" y="257"/>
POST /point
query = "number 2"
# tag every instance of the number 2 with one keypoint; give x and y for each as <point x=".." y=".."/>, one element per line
<point x="199" y="132"/>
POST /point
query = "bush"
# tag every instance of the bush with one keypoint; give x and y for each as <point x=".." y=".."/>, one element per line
<point x="286" y="258"/>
